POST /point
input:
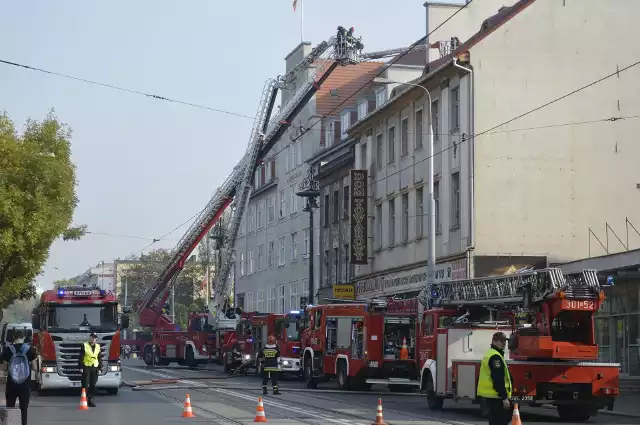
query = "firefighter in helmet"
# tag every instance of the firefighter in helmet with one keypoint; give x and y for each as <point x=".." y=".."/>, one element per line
<point x="270" y="357"/>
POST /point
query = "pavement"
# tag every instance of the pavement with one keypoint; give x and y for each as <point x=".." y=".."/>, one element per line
<point x="221" y="400"/>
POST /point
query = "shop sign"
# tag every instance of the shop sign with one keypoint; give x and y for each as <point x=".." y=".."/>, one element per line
<point x="358" y="222"/>
<point x="345" y="292"/>
<point x="410" y="280"/>
<point x="408" y="306"/>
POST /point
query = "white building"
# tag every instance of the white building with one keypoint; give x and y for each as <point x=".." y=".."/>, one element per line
<point x="102" y="275"/>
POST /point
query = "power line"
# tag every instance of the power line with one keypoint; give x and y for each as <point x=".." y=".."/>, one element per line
<point x="112" y="235"/>
<point x="124" y="89"/>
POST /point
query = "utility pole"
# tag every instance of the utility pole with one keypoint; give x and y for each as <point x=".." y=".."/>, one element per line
<point x="310" y="189"/>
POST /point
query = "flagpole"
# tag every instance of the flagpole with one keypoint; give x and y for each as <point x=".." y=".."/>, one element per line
<point x="301" y="21"/>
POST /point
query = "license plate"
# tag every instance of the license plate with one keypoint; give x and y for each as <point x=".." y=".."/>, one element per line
<point x="373" y="364"/>
<point x="522" y="398"/>
<point x="76" y="384"/>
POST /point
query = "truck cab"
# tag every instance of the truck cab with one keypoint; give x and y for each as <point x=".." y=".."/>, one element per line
<point x="287" y="333"/>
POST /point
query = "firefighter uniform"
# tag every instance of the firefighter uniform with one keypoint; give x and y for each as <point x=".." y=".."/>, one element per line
<point x="270" y="356"/>
<point x="90" y="362"/>
<point x="494" y="382"/>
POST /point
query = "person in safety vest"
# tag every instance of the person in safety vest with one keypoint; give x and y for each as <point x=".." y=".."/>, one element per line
<point x="495" y="382"/>
<point x="90" y="362"/>
<point x="270" y="356"/>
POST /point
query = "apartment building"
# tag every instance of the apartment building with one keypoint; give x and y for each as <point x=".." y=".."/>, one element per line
<point x="517" y="195"/>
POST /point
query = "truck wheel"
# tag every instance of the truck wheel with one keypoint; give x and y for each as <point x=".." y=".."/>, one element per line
<point x="574" y="413"/>
<point x="225" y="359"/>
<point x="112" y="391"/>
<point x="190" y="357"/>
<point x="308" y="376"/>
<point x="343" y="378"/>
<point x="148" y="355"/>
<point x="433" y="401"/>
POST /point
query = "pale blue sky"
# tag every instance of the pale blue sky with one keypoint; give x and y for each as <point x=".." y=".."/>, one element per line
<point x="145" y="166"/>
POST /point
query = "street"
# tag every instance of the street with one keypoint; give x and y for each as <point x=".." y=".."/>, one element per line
<point x="233" y="400"/>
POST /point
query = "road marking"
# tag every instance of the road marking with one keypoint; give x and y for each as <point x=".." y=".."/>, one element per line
<point x="164" y="375"/>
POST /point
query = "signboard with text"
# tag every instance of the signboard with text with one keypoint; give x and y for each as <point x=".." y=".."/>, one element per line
<point x="345" y="292"/>
<point x="358" y="217"/>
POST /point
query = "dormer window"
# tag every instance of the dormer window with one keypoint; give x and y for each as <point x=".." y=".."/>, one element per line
<point x="345" y="124"/>
<point x="381" y="96"/>
<point x="362" y="109"/>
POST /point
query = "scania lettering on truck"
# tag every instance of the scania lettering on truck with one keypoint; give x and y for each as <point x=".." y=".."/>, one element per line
<point x="62" y="321"/>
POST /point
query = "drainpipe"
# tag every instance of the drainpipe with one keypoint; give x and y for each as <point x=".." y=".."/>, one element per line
<point x="472" y="142"/>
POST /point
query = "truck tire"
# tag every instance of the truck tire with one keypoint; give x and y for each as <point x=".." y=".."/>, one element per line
<point x="433" y="401"/>
<point x="190" y="358"/>
<point x="343" y="377"/>
<point x="309" y="380"/>
<point x="574" y="413"/>
<point x="147" y="354"/>
<point x="112" y="391"/>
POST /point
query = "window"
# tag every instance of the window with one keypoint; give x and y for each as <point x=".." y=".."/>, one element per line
<point x="329" y="135"/>
<point x="281" y="300"/>
<point x="294" y="200"/>
<point x="404" y="137"/>
<point x="455" y="199"/>
<point x="293" y="296"/>
<point x="326" y="267"/>
<point x="391" y="145"/>
<point x="305" y="288"/>
<point x="249" y="301"/>
<point x="256" y="178"/>
<point x="294" y="246"/>
<point x="281" y="251"/>
<point x="436" y="203"/>
<point x="283" y="203"/>
<point x="336" y="206"/>
<point x="260" y="304"/>
<point x="261" y="257"/>
<point x="327" y="207"/>
<point x="272" y="208"/>
<point x="345" y="202"/>
<point x="455" y="108"/>
<point x="405" y="217"/>
<point x="267" y="172"/>
<point x="392" y="222"/>
<point x="435" y="119"/>
<point x="419" y="211"/>
<point x="379" y="151"/>
<point x="271" y="252"/>
<point x="336" y="263"/>
<point x="378" y="217"/>
<point x="252" y="218"/>
<point x="261" y="214"/>
<point x="344" y="124"/>
<point x="271" y="300"/>
<point x="299" y="155"/>
<point x="287" y="166"/>
<point x="242" y="264"/>
<point x="418" y="129"/>
<point x="306" y="241"/>
<point x="362" y="109"/>
<point x="381" y="97"/>
<point x="294" y="154"/>
<point x="250" y="260"/>
<point x="346" y="263"/>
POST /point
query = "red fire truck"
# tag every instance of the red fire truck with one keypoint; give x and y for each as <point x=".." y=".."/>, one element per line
<point x="287" y="333"/>
<point x="62" y="321"/>
<point x="552" y="355"/>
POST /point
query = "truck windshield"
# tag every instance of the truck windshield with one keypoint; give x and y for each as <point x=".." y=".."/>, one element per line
<point x="291" y="330"/>
<point x="83" y="317"/>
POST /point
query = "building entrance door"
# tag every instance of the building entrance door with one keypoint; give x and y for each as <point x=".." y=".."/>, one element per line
<point x="621" y="343"/>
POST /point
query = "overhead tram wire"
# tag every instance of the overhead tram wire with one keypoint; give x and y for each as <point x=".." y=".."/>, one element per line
<point x="124" y="89"/>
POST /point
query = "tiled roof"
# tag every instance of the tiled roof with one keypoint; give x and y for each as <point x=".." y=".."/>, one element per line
<point x="347" y="80"/>
<point x="413" y="58"/>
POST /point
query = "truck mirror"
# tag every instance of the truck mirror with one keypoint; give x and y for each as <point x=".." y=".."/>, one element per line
<point x="278" y="328"/>
<point x="124" y="321"/>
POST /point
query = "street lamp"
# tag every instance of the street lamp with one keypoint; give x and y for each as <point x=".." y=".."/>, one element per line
<point x="310" y="189"/>
<point x="431" y="215"/>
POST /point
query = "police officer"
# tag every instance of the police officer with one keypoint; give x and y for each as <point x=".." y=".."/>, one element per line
<point x="90" y="362"/>
<point x="494" y="382"/>
<point x="270" y="356"/>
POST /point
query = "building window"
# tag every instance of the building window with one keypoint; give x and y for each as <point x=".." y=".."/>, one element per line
<point x="287" y="167"/>
<point x="418" y="129"/>
<point x="281" y="251"/>
<point x="242" y="264"/>
<point x="378" y="217"/>
<point x="419" y="211"/>
<point x="345" y="202"/>
<point x="306" y="241"/>
<point x="336" y="206"/>
<point x="455" y="200"/>
<point x="272" y="208"/>
<point x="261" y="257"/>
<point x="435" y="119"/>
<point x="436" y="204"/>
<point x="283" y="203"/>
<point x="391" y="144"/>
<point x="362" y="109"/>
<point x="381" y="97"/>
<point x="326" y="267"/>
<point x="281" y="299"/>
<point x="405" y="217"/>
<point x="404" y="137"/>
<point x="336" y="265"/>
<point x="271" y="252"/>
<point x="267" y="171"/>
<point x="299" y="154"/>
<point x="260" y="306"/>
<point x="271" y="300"/>
<point x="252" y="218"/>
<point x="261" y="214"/>
<point x="455" y="108"/>
<point x="294" y="246"/>
<point x="250" y="260"/>
<point x="327" y="207"/>
<point x="346" y="274"/>
<point x="294" y="154"/>
<point x="294" y="200"/>
<point x="249" y="301"/>
<point x="344" y="124"/>
<point x="293" y="296"/>
<point x="305" y="288"/>
<point x="329" y="136"/>
<point x="379" y="151"/>
<point x="392" y="222"/>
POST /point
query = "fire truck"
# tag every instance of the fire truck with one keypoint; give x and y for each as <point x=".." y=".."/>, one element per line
<point x="62" y="321"/>
<point x="287" y="333"/>
<point x="552" y="354"/>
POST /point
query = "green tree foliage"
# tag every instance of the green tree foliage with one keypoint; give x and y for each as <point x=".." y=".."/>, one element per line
<point x="65" y="282"/>
<point x="37" y="201"/>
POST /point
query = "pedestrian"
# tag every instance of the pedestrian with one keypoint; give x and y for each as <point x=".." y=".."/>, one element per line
<point x="270" y="356"/>
<point x="90" y="362"/>
<point x="495" y="382"/>
<point x="20" y="358"/>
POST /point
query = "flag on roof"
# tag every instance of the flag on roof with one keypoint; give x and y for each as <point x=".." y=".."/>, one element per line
<point x="295" y="3"/>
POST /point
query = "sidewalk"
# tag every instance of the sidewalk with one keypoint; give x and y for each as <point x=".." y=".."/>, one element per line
<point x="625" y="405"/>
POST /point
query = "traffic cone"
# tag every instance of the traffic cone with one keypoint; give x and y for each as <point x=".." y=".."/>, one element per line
<point x="515" y="418"/>
<point x="260" y="416"/>
<point x="83" y="400"/>
<point x="404" y="351"/>
<point x="379" y="418"/>
<point x="188" y="412"/>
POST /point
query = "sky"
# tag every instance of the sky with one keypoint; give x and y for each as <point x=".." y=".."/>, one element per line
<point x="144" y="166"/>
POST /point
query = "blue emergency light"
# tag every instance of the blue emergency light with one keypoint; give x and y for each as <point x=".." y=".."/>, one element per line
<point x="60" y="293"/>
<point x="103" y="293"/>
<point x="611" y="281"/>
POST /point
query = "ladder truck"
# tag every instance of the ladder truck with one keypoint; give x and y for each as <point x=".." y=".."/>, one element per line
<point x="205" y="339"/>
<point x="552" y="354"/>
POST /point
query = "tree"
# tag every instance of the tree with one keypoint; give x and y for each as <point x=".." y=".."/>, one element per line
<point x="65" y="282"/>
<point x="37" y="201"/>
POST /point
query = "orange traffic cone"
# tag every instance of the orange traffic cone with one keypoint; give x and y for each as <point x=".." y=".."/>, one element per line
<point x="260" y="416"/>
<point x="404" y="351"/>
<point x="188" y="411"/>
<point x="515" y="418"/>
<point x="379" y="418"/>
<point x="83" y="400"/>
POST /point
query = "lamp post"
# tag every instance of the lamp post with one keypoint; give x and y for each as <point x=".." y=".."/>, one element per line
<point x="431" y="210"/>
<point x="310" y="190"/>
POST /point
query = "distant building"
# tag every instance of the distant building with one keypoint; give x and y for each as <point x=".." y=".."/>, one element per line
<point x="102" y="275"/>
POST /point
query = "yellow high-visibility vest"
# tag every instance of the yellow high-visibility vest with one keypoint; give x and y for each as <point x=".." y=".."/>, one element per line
<point x="90" y="358"/>
<point x="485" y="383"/>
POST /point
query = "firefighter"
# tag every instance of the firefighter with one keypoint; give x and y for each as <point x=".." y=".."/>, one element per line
<point x="495" y="382"/>
<point x="90" y="362"/>
<point x="270" y="356"/>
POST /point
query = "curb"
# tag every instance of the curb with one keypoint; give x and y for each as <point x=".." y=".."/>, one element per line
<point x="609" y="413"/>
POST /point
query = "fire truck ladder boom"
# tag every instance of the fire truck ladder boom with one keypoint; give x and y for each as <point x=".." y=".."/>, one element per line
<point x="510" y="289"/>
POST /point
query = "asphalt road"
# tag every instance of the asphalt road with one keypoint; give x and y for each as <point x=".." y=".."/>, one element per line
<point x="232" y="401"/>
